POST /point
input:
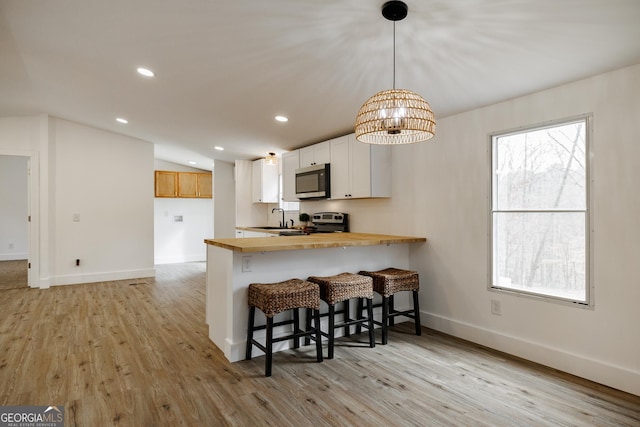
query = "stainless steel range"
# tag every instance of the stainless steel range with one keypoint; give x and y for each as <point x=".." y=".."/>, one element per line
<point x="330" y="222"/>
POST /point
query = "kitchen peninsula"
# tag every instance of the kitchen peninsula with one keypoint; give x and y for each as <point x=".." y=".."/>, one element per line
<point x="232" y="264"/>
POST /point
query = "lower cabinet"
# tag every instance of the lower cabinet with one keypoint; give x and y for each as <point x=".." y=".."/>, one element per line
<point x="249" y="233"/>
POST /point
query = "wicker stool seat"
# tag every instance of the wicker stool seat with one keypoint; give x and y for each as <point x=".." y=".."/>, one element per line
<point x="340" y="289"/>
<point x="388" y="282"/>
<point x="274" y="298"/>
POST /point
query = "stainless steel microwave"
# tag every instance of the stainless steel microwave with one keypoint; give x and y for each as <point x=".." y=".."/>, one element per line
<point x="313" y="182"/>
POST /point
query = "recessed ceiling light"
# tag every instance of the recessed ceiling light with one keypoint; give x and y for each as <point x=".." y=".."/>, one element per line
<point x="121" y="120"/>
<point x="191" y="162"/>
<point x="282" y="119"/>
<point x="218" y="148"/>
<point x="146" y="72"/>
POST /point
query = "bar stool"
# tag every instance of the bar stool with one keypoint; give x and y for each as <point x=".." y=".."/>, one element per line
<point x="274" y="298"/>
<point x="387" y="282"/>
<point x="342" y="288"/>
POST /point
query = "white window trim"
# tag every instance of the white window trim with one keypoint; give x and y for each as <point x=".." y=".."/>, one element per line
<point x="589" y="221"/>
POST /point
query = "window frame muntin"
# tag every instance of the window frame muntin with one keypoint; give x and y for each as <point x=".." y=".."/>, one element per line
<point x="589" y="302"/>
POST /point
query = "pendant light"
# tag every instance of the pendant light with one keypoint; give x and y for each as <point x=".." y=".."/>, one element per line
<point x="271" y="159"/>
<point x="395" y="116"/>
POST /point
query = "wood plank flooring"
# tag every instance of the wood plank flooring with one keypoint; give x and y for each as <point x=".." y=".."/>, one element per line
<point x="13" y="274"/>
<point x="136" y="353"/>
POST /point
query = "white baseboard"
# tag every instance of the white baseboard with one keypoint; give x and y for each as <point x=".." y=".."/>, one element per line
<point x="75" y="279"/>
<point x="182" y="258"/>
<point x="595" y="370"/>
<point x="14" y="256"/>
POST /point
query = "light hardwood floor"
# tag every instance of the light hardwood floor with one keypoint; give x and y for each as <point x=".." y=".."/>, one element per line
<point x="13" y="274"/>
<point x="136" y="353"/>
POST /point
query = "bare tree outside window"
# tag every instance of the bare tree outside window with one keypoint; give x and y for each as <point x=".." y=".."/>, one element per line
<point x="540" y="211"/>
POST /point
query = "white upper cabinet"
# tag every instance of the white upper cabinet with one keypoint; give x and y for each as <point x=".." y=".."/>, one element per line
<point x="359" y="170"/>
<point x="264" y="182"/>
<point x="340" y="170"/>
<point x="315" y="154"/>
<point x="290" y="162"/>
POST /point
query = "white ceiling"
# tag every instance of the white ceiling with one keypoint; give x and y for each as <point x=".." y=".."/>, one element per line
<point x="225" y="68"/>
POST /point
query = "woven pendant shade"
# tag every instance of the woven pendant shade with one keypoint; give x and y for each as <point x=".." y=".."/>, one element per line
<point x="395" y="116"/>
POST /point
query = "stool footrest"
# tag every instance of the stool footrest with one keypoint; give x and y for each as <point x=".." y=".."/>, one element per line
<point x="348" y="322"/>
<point x="275" y="324"/>
<point x="299" y="334"/>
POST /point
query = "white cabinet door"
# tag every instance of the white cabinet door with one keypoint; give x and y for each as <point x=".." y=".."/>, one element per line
<point x="322" y="153"/>
<point x="306" y="156"/>
<point x="290" y="162"/>
<point x="340" y="185"/>
<point x="248" y="233"/>
<point x="316" y="154"/>
<point x="264" y="182"/>
<point x="359" y="170"/>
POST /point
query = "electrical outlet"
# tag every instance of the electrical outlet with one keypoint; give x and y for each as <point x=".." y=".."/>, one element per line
<point x="10" y="245"/>
<point x="246" y="264"/>
<point x="495" y="307"/>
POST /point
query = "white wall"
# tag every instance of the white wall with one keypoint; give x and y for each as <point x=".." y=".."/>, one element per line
<point x="104" y="177"/>
<point x="13" y="208"/>
<point x="181" y="241"/>
<point x="224" y="200"/>
<point x="441" y="191"/>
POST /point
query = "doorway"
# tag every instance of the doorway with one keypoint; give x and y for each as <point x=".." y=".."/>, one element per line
<point x="14" y="225"/>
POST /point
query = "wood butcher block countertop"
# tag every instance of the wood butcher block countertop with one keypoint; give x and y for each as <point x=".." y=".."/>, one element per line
<point x="313" y="241"/>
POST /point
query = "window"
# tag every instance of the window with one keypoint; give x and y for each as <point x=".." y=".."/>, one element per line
<point x="540" y="211"/>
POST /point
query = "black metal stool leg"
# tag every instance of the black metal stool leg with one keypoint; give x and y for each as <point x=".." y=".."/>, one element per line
<point x="392" y="309"/>
<point x="332" y="310"/>
<point x="296" y="328"/>
<point x="372" y="336"/>
<point x="347" y="317"/>
<point x="307" y="325"/>
<point x="359" y="315"/>
<point x="385" y="319"/>
<point x="416" y="312"/>
<point x="252" y="315"/>
<point x="316" y="320"/>
<point x="269" y="347"/>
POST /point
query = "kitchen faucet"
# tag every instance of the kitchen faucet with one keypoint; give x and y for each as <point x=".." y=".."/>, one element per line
<point x="283" y="224"/>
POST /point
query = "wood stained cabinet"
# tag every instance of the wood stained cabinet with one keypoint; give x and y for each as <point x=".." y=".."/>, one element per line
<point x="166" y="184"/>
<point x="183" y="184"/>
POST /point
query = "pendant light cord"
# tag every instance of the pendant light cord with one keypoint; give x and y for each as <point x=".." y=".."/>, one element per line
<point x="394" y="55"/>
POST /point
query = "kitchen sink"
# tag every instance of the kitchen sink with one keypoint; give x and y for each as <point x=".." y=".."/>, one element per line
<point x="270" y="228"/>
<point x="292" y="233"/>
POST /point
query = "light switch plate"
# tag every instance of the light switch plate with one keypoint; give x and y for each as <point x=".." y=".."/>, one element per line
<point x="246" y="264"/>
